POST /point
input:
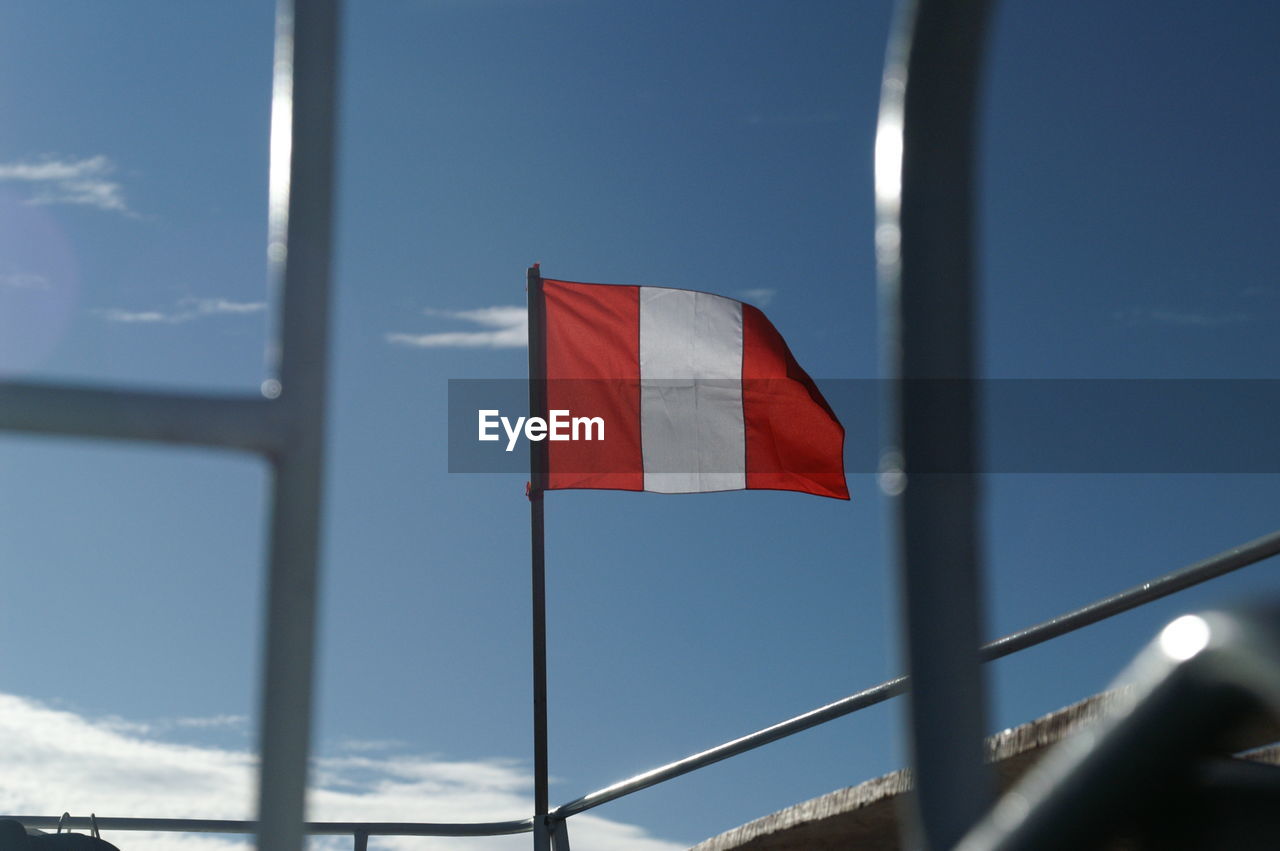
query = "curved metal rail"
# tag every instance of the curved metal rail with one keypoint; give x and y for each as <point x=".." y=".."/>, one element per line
<point x="924" y="177"/>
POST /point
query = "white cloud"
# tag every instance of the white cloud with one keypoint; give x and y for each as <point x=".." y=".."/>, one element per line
<point x="505" y="327"/>
<point x="22" y="281"/>
<point x="212" y="721"/>
<point x="85" y="182"/>
<point x="796" y="118"/>
<point x="761" y="295"/>
<point x="56" y="761"/>
<point x="186" y="310"/>
<point x="115" y="314"/>
<point x="215" y="306"/>
<point x="161" y="726"/>
<point x="1185" y="319"/>
<point x="366" y="745"/>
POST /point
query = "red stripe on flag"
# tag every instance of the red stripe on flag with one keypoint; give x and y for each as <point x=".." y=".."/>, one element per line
<point x="593" y="370"/>
<point x="794" y="441"/>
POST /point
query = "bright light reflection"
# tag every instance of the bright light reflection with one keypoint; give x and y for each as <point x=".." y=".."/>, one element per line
<point x="1185" y="637"/>
<point x="889" y="159"/>
<point x="281" y="140"/>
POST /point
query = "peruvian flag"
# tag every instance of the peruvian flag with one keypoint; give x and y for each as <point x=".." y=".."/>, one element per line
<point x="697" y="392"/>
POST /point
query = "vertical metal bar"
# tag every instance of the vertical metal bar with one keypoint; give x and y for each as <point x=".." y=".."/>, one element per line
<point x="361" y="841"/>
<point x="300" y="231"/>
<point x="560" y="835"/>
<point x="537" y="484"/>
<point x="924" y="168"/>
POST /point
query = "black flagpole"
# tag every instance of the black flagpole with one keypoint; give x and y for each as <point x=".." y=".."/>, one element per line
<point x="537" y="484"/>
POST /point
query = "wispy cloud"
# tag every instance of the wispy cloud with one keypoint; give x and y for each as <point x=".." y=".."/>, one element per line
<point x="218" y="721"/>
<point x="1181" y="318"/>
<point x="57" y="760"/>
<point x="367" y="745"/>
<point x="85" y="182"/>
<point x="186" y="310"/>
<point x="796" y="118"/>
<point x="115" y="314"/>
<point x="759" y="295"/>
<point x="504" y="327"/>
<point x="23" y="281"/>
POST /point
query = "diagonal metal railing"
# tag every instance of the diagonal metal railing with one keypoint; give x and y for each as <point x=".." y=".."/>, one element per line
<point x="1163" y="586"/>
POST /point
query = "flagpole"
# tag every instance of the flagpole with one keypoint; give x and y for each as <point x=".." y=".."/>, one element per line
<point x="537" y="484"/>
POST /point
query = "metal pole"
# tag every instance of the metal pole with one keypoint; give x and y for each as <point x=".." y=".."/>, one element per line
<point x="924" y="164"/>
<point x="537" y="484"/>
<point x="300" y="230"/>
<point x="560" y="836"/>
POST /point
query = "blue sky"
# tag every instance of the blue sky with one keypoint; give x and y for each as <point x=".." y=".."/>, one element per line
<point x="1128" y="211"/>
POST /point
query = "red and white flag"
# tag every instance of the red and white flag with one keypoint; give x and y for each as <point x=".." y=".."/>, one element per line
<point x="698" y="393"/>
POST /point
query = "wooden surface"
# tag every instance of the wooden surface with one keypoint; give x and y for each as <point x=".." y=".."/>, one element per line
<point x="865" y="817"/>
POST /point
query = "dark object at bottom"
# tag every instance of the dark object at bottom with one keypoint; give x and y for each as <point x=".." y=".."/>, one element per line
<point x="1152" y="773"/>
<point x="14" y="837"/>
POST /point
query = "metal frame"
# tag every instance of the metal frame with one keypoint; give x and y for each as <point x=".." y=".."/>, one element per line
<point x="287" y="428"/>
<point x="924" y="153"/>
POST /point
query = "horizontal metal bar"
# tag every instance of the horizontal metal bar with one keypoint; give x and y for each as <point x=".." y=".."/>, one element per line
<point x="315" y="828"/>
<point x="1201" y="571"/>
<point x="250" y="423"/>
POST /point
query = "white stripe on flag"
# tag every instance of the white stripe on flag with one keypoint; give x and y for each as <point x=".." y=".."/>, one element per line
<point x="691" y="429"/>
